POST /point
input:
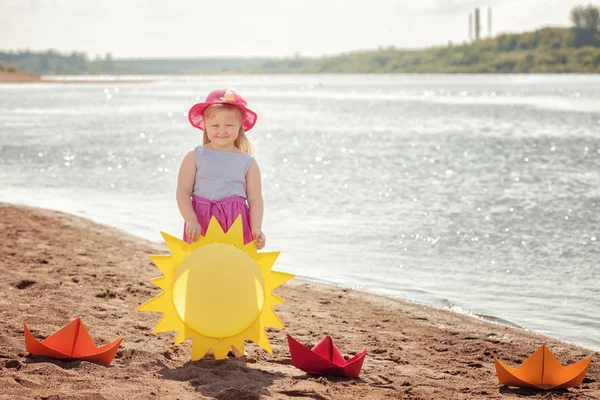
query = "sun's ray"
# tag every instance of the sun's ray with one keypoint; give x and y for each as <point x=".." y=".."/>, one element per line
<point x="238" y="343"/>
<point x="237" y="230"/>
<point x="160" y="303"/>
<point x="276" y="299"/>
<point x="179" y="248"/>
<point x="161" y="283"/>
<point x="263" y="341"/>
<point x="270" y="319"/>
<point x="164" y="263"/>
<point x="253" y="333"/>
<point x="187" y="287"/>
<point x="220" y="347"/>
<point x="250" y="249"/>
<point x="235" y="234"/>
<point x="214" y="233"/>
<point x="266" y="261"/>
<point x="168" y="322"/>
<point x="199" y="347"/>
<point x="276" y="279"/>
<point x="257" y="334"/>
<point x="184" y="334"/>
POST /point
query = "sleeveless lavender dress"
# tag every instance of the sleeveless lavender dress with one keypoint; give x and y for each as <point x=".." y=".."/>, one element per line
<point x="220" y="189"/>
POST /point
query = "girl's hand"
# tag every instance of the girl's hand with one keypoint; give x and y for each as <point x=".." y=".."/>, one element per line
<point x="259" y="238"/>
<point x="192" y="230"/>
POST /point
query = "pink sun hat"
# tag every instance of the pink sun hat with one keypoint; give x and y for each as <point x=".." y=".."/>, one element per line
<point x="222" y="96"/>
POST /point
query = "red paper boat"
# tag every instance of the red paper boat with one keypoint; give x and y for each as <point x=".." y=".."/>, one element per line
<point x="324" y="359"/>
<point x="72" y="342"/>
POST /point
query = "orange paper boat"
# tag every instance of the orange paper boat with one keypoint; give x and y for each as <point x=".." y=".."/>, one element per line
<point x="72" y="342"/>
<point x="542" y="371"/>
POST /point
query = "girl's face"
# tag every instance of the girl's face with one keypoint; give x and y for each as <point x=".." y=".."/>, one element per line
<point x="222" y="126"/>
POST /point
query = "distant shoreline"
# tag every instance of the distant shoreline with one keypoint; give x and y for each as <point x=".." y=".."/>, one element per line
<point x="19" y="77"/>
<point x="24" y="77"/>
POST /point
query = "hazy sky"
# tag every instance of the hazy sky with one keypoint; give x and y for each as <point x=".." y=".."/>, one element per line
<point x="200" y="28"/>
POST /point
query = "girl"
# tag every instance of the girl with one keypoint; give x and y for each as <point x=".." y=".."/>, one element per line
<point x="221" y="178"/>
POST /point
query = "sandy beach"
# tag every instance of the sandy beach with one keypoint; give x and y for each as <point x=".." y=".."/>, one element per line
<point x="24" y="77"/>
<point x="18" y="77"/>
<point x="57" y="267"/>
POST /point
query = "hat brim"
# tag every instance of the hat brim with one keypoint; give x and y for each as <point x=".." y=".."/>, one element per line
<point x="195" y="115"/>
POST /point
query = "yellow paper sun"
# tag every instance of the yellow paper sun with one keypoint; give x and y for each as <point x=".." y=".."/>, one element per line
<point x="216" y="291"/>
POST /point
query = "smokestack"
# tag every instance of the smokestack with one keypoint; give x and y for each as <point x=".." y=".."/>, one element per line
<point x="470" y="27"/>
<point x="490" y="21"/>
<point x="477" y="24"/>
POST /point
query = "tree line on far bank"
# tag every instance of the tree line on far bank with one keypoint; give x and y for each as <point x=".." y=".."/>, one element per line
<point x="551" y="49"/>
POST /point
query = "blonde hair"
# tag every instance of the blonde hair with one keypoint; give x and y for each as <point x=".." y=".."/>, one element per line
<point x="242" y="142"/>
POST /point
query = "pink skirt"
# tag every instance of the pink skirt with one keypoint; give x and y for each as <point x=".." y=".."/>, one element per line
<point x="225" y="211"/>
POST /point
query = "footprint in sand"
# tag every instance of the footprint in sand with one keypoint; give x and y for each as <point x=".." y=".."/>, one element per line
<point x="24" y="284"/>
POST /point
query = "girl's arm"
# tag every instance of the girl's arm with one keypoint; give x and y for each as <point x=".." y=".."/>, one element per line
<point x="185" y="186"/>
<point x="255" y="198"/>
